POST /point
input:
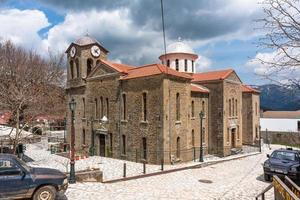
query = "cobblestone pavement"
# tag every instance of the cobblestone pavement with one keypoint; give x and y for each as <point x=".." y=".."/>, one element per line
<point x="239" y="179"/>
<point x="111" y="168"/>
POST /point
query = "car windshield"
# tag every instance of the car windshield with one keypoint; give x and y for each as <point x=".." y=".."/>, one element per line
<point x="28" y="168"/>
<point x="285" y="155"/>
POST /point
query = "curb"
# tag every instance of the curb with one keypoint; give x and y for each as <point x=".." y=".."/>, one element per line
<point x="201" y="165"/>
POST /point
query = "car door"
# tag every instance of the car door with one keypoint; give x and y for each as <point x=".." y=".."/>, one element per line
<point x="14" y="181"/>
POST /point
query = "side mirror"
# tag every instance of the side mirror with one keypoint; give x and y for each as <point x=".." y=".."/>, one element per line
<point x="268" y="155"/>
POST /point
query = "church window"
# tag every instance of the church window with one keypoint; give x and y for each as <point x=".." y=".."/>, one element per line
<point x="177" y="107"/>
<point x="96" y="108"/>
<point x="72" y="69"/>
<point x="193" y="109"/>
<point x="123" y="144"/>
<point x="101" y="107"/>
<point x="232" y="101"/>
<point x="256" y="108"/>
<point x="178" y="147"/>
<point x="77" y="68"/>
<point x="193" y="68"/>
<point x="203" y="107"/>
<point x="83" y="136"/>
<point x="107" y="107"/>
<point x="193" y="138"/>
<point x="144" y="143"/>
<point x="185" y="65"/>
<point x="83" y="102"/>
<point x="229" y="108"/>
<point x="89" y="64"/>
<point x="168" y="63"/>
<point x="177" y="64"/>
<point x="145" y="106"/>
<point x="124" y="106"/>
<point x="236" y="108"/>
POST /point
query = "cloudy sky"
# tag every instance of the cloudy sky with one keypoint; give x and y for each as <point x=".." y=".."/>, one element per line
<point x="223" y="33"/>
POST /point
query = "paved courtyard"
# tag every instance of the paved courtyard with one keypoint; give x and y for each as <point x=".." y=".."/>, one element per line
<point x="236" y="179"/>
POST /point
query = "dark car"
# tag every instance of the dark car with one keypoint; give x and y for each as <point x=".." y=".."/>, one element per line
<point x="283" y="162"/>
<point x="18" y="180"/>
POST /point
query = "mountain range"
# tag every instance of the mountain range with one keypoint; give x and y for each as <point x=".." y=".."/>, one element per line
<point x="276" y="97"/>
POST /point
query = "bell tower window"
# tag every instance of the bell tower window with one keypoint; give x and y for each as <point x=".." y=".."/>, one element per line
<point x="77" y="68"/>
<point x="89" y="65"/>
<point x="168" y="63"/>
<point x="72" y="69"/>
<point x="185" y="65"/>
<point x="177" y="64"/>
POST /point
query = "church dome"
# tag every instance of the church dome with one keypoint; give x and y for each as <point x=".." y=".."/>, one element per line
<point x="179" y="47"/>
<point x="85" y="40"/>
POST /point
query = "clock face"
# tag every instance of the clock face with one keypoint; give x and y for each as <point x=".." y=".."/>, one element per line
<point x="73" y="52"/>
<point x="95" y="51"/>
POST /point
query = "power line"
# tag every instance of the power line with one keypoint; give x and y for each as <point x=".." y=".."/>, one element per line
<point x="163" y="27"/>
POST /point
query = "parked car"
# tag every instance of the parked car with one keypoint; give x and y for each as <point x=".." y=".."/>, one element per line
<point x="18" y="180"/>
<point x="283" y="162"/>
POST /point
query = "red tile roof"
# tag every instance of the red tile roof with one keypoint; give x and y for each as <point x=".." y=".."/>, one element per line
<point x="117" y="66"/>
<point x="153" y="69"/>
<point x="199" y="88"/>
<point x="248" y="89"/>
<point x="213" y="75"/>
<point x="5" y="117"/>
<point x="282" y="114"/>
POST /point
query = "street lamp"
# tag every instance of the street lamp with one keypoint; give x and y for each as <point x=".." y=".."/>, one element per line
<point x="201" y="114"/>
<point x="72" y="179"/>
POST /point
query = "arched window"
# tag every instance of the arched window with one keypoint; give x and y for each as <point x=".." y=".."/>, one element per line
<point x="203" y="107"/>
<point x="123" y="144"/>
<point x="233" y="108"/>
<point x="83" y="136"/>
<point x="177" y="64"/>
<point x="193" y="68"/>
<point x="96" y="108"/>
<point x="144" y="143"/>
<point x="236" y="108"/>
<point x="83" y="102"/>
<point x="72" y="69"/>
<point x="177" y="107"/>
<point x="193" y="138"/>
<point x="256" y="108"/>
<point x="77" y="67"/>
<point x="89" y="65"/>
<point x="107" y="107"/>
<point x="193" y="109"/>
<point x="168" y="63"/>
<point x="229" y="107"/>
<point x="101" y="107"/>
<point x="124" y="116"/>
<point x="185" y="65"/>
<point x="145" y="106"/>
<point x="178" y="147"/>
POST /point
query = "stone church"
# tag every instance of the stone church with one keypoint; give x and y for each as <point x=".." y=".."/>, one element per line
<point x="151" y="112"/>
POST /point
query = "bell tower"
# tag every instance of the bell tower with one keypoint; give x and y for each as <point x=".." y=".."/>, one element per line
<point x="83" y="55"/>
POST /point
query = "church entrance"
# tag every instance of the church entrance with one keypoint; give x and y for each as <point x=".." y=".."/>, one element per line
<point x="233" y="135"/>
<point x="102" y="145"/>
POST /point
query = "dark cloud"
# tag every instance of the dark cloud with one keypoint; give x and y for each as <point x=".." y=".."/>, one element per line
<point x="190" y="19"/>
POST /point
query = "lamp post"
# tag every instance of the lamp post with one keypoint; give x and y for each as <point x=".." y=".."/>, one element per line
<point x="72" y="179"/>
<point x="201" y="114"/>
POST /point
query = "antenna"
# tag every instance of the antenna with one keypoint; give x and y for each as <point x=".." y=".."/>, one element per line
<point x="163" y="27"/>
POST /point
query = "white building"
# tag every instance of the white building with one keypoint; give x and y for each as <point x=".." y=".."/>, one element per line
<point x="180" y="57"/>
<point x="280" y="121"/>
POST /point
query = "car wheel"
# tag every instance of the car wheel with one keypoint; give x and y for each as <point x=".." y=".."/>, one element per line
<point x="267" y="177"/>
<point x="45" y="193"/>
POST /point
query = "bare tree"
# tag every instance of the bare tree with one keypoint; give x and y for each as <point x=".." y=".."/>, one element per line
<point x="29" y="85"/>
<point x="282" y="26"/>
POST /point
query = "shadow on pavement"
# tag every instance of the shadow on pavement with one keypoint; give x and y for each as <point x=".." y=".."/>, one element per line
<point x="262" y="179"/>
<point x="61" y="197"/>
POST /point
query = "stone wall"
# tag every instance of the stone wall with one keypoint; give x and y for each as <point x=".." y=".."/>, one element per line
<point x="286" y="138"/>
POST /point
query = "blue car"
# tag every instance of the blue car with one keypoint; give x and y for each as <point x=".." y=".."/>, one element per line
<point x="283" y="162"/>
<point x="19" y="181"/>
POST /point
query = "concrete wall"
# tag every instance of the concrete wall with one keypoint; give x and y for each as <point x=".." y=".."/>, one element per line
<point x="286" y="138"/>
